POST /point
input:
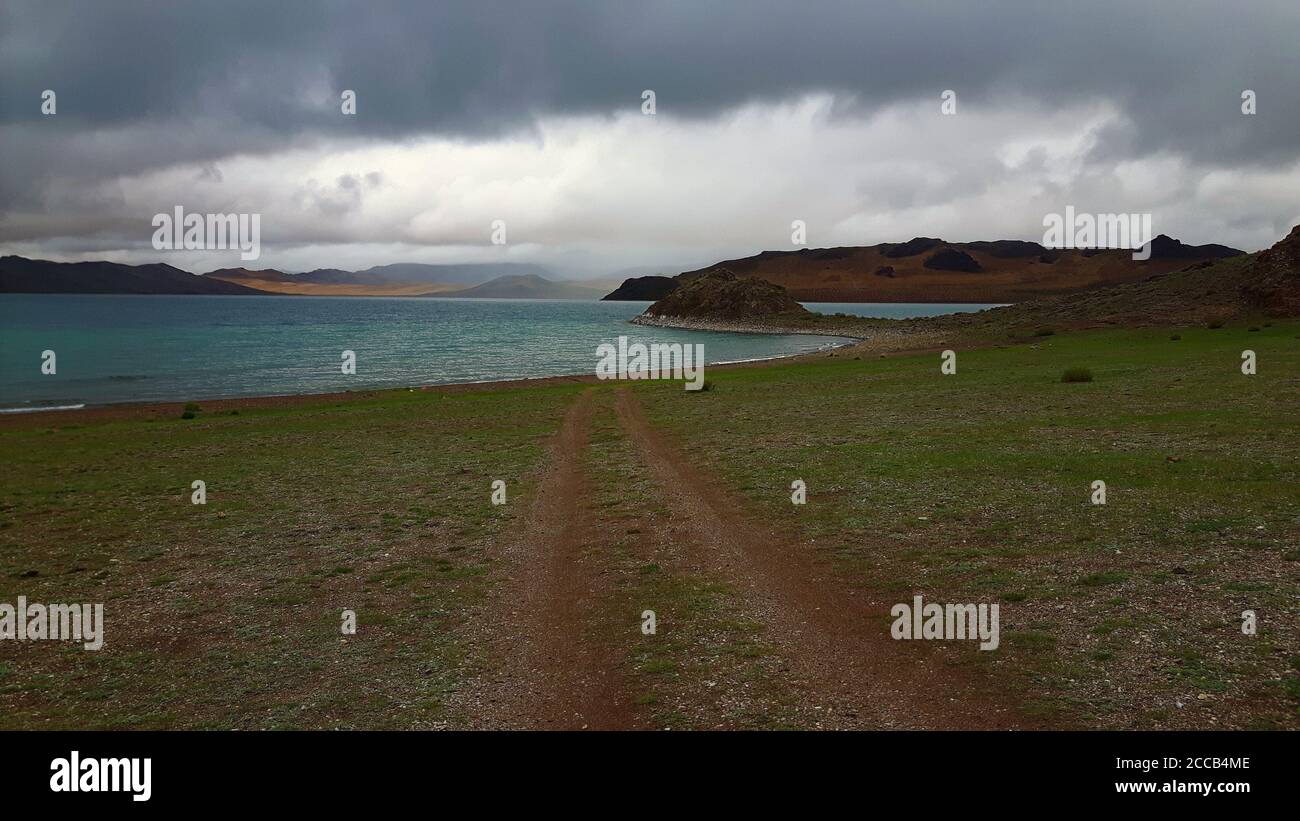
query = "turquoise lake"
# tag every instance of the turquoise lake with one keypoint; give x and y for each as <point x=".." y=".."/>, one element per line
<point x="119" y="348"/>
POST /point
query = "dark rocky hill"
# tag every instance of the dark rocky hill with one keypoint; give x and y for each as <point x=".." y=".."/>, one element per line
<point x="635" y="289"/>
<point x="720" y="294"/>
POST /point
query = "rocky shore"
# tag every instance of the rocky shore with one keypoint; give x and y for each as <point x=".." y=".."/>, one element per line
<point x="749" y="325"/>
<point x="868" y="335"/>
<point x="720" y="301"/>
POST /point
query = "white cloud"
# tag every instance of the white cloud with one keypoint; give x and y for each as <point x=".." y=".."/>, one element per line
<point x="590" y="194"/>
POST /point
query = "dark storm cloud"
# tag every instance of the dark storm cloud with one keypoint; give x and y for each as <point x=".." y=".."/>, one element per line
<point x="479" y="68"/>
<point x="236" y="104"/>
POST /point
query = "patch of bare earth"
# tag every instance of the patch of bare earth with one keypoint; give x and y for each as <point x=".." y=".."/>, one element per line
<point x="541" y="663"/>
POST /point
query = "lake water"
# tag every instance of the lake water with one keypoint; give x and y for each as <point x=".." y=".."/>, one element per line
<point x="117" y="348"/>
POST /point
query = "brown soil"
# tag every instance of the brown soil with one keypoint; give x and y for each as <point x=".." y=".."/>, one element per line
<point x="554" y="674"/>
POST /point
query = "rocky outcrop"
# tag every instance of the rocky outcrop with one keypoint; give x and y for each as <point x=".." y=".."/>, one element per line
<point x="950" y="259"/>
<point x="1272" y="282"/>
<point x="1007" y="248"/>
<point x="914" y="246"/>
<point x="720" y="294"/>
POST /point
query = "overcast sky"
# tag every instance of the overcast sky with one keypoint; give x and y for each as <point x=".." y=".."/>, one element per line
<point x="531" y="113"/>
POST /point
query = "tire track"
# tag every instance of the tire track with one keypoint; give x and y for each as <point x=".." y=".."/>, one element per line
<point x="836" y="638"/>
<point x="554" y="671"/>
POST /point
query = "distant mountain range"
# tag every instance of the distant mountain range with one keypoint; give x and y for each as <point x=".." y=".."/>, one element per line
<point x="923" y="269"/>
<point x="928" y="269"/>
<point x="472" y="281"/>
<point x="19" y="275"/>
<point x="527" y="286"/>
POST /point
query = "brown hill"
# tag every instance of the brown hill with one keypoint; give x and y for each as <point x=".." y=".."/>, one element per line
<point x="1232" y="288"/>
<point x="1273" y="281"/>
<point x="720" y="294"/>
<point x="927" y="269"/>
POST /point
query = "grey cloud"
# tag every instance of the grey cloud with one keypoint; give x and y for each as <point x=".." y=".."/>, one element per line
<point x="148" y="85"/>
<point x="480" y="67"/>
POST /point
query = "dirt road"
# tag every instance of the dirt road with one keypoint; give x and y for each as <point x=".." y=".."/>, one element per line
<point x="553" y="662"/>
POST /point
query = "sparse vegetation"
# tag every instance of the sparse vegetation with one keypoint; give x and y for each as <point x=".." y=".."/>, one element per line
<point x="1001" y="464"/>
<point x="396" y="532"/>
<point x="1076" y="374"/>
<point x="972" y="490"/>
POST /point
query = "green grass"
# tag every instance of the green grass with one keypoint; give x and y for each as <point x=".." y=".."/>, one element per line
<point x="966" y="488"/>
<point x="975" y="487"/>
<point x="228" y="614"/>
<point x="706" y="648"/>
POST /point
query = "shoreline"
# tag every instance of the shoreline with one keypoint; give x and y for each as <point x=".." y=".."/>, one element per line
<point x="867" y="334"/>
<point x="737" y="326"/>
<point x="887" y="299"/>
<point x="895" y="343"/>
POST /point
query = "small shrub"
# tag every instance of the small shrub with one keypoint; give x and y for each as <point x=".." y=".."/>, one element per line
<point x="1076" y="375"/>
<point x="1214" y="324"/>
<point x="1175" y="337"/>
<point x="192" y="408"/>
<point x="1045" y="332"/>
<point x="189" y="414"/>
<point x="1253" y="329"/>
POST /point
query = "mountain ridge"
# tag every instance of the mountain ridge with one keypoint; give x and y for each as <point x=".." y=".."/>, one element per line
<point x="525" y="286"/>
<point x="23" y="275"/>
<point x="20" y="275"/>
<point x="930" y="269"/>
